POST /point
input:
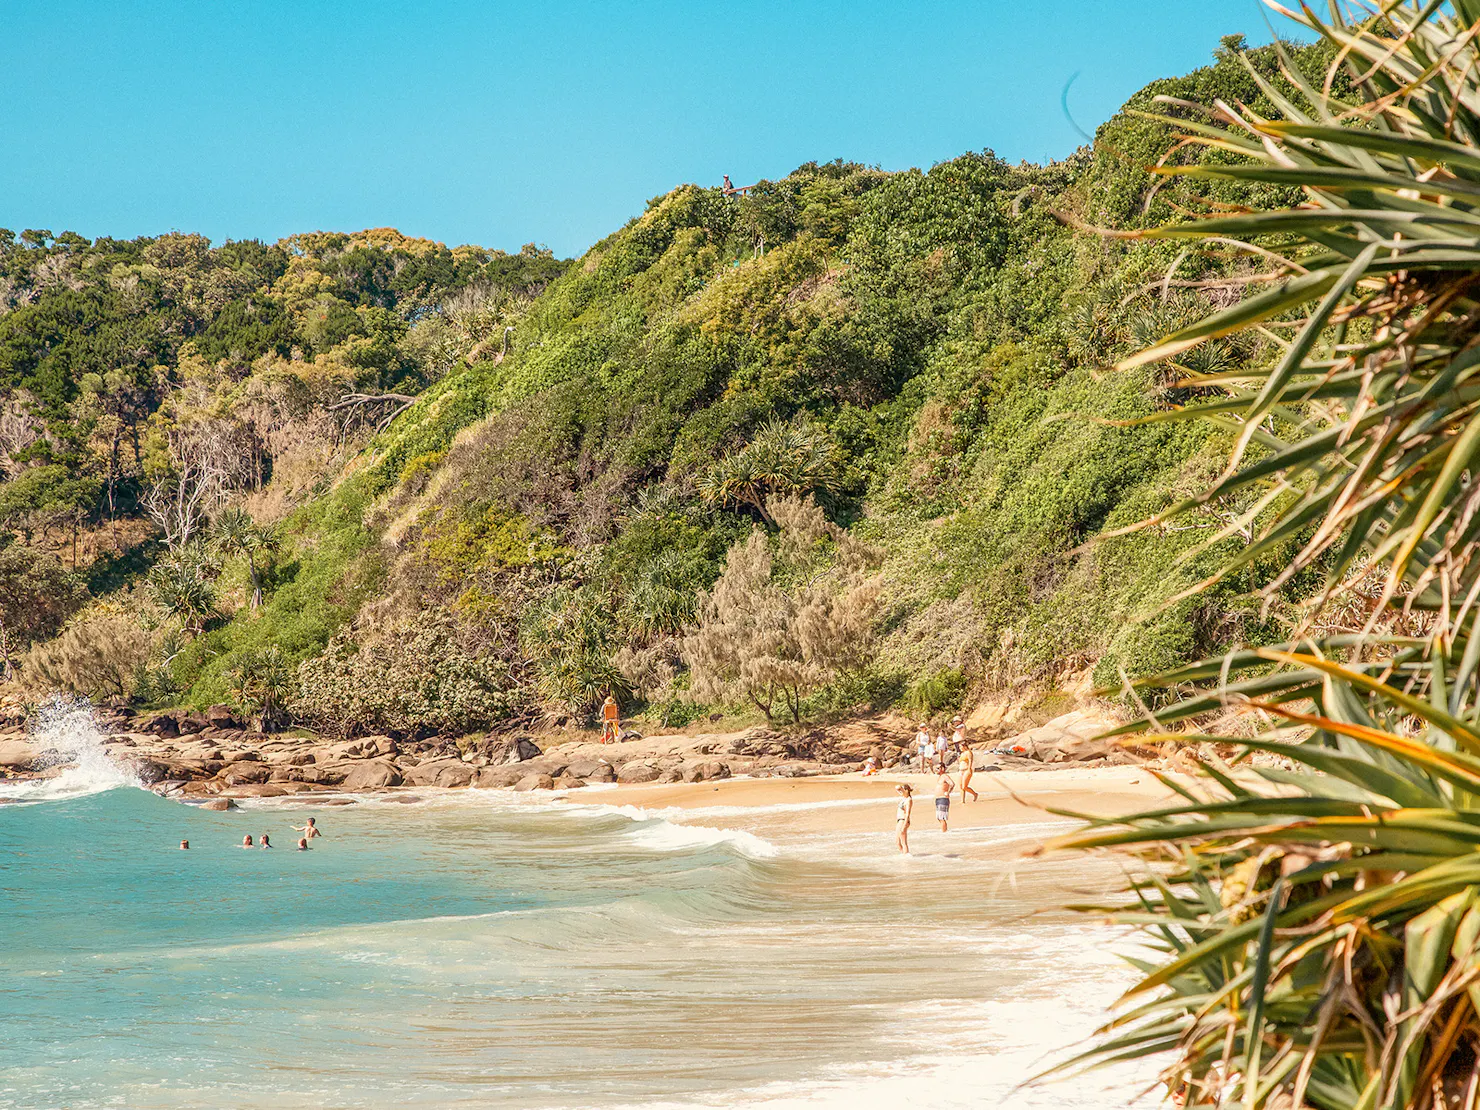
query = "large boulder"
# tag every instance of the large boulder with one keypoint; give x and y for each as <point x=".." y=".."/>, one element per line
<point x="535" y="782"/>
<point x="637" y="772"/>
<point x="499" y="778"/>
<point x="371" y="774"/>
<point x="520" y="749"/>
<point x="149" y="772"/>
<point x="18" y="755"/>
<point x="704" y="772"/>
<point x="592" y="770"/>
<point x="223" y="716"/>
<point x="568" y="782"/>
<point x="1078" y="735"/>
<point x="218" y="804"/>
<point x="372" y="747"/>
<point x="441" y="772"/>
<point x="244" y="772"/>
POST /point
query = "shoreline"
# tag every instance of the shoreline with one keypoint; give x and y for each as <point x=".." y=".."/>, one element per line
<point x="854" y="806"/>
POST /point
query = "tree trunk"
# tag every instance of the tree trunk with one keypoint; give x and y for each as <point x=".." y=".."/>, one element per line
<point x="256" y="581"/>
<point x="113" y="469"/>
<point x="8" y="672"/>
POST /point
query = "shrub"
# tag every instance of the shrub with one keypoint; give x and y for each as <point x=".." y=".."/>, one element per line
<point x="98" y="655"/>
<point x="416" y="679"/>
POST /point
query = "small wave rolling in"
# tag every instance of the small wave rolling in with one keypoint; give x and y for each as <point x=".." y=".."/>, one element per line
<point x="479" y="951"/>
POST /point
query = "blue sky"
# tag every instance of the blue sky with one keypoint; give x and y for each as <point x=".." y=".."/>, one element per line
<point x="551" y="122"/>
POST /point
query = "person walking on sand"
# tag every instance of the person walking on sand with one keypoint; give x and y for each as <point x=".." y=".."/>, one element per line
<point x="309" y="830"/>
<point x="902" y="816"/>
<point x="943" y="801"/>
<point x="611" y="720"/>
<point x="966" y="767"/>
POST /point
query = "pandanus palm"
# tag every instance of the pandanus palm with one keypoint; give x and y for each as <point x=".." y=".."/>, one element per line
<point x="1319" y="929"/>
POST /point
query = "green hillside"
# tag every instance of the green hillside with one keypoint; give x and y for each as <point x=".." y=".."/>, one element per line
<point x="842" y="441"/>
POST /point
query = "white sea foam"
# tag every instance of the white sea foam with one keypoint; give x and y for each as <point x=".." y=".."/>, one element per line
<point x="665" y="836"/>
<point x="66" y="727"/>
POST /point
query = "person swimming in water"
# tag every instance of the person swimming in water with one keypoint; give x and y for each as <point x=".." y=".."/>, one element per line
<point x="247" y="841"/>
<point x="303" y="843"/>
<point x="184" y="845"/>
<point x="309" y="830"/>
<point x="265" y="843"/>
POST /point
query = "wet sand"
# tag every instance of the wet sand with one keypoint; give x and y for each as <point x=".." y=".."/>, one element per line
<point x="852" y="804"/>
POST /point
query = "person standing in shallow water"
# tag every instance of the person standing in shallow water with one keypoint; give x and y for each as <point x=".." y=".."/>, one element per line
<point x="966" y="767"/>
<point x="309" y="830"/>
<point x="902" y="816"/>
<point x="943" y="800"/>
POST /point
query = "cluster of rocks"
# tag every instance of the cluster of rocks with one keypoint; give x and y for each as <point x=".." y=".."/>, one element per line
<point x="214" y="754"/>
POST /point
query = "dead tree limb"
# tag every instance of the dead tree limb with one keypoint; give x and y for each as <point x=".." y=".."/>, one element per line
<point x="358" y="405"/>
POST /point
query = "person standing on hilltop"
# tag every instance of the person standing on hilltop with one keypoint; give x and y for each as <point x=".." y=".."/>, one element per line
<point x="611" y="719"/>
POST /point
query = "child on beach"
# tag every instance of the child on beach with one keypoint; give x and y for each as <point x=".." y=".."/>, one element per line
<point x="871" y="766"/>
<point x="309" y="831"/>
<point x="902" y="816"/>
<point x="943" y="799"/>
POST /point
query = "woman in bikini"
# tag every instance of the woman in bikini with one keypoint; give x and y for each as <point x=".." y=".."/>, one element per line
<point x="966" y="766"/>
<point x="902" y="816"/>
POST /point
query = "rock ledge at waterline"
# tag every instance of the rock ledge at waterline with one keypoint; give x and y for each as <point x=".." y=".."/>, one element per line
<point x="210" y="754"/>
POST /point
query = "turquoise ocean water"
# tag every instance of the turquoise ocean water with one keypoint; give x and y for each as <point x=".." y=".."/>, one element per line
<point x="483" y="950"/>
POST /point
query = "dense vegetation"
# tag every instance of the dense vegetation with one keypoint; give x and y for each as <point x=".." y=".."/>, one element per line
<point x="1313" y="921"/>
<point x="477" y="488"/>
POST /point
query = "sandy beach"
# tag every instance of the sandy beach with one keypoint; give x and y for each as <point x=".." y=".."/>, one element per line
<point x="852" y="804"/>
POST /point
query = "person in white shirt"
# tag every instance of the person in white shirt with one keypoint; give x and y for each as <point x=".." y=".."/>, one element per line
<point x="924" y="746"/>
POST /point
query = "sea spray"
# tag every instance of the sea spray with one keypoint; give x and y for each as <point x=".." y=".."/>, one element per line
<point x="66" y="733"/>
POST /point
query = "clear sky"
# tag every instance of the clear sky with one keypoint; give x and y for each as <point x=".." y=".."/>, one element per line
<point x="551" y="121"/>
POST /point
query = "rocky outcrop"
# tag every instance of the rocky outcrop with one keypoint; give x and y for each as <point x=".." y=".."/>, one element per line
<point x="373" y="774"/>
<point x="1075" y="736"/>
<point x="535" y="782"/>
<point x="440" y="772"/>
<point x="638" y="772"/>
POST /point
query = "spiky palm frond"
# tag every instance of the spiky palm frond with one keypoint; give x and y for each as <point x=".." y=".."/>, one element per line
<point x="1317" y="931"/>
<point x="1362" y="434"/>
<point x="1316" y="935"/>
